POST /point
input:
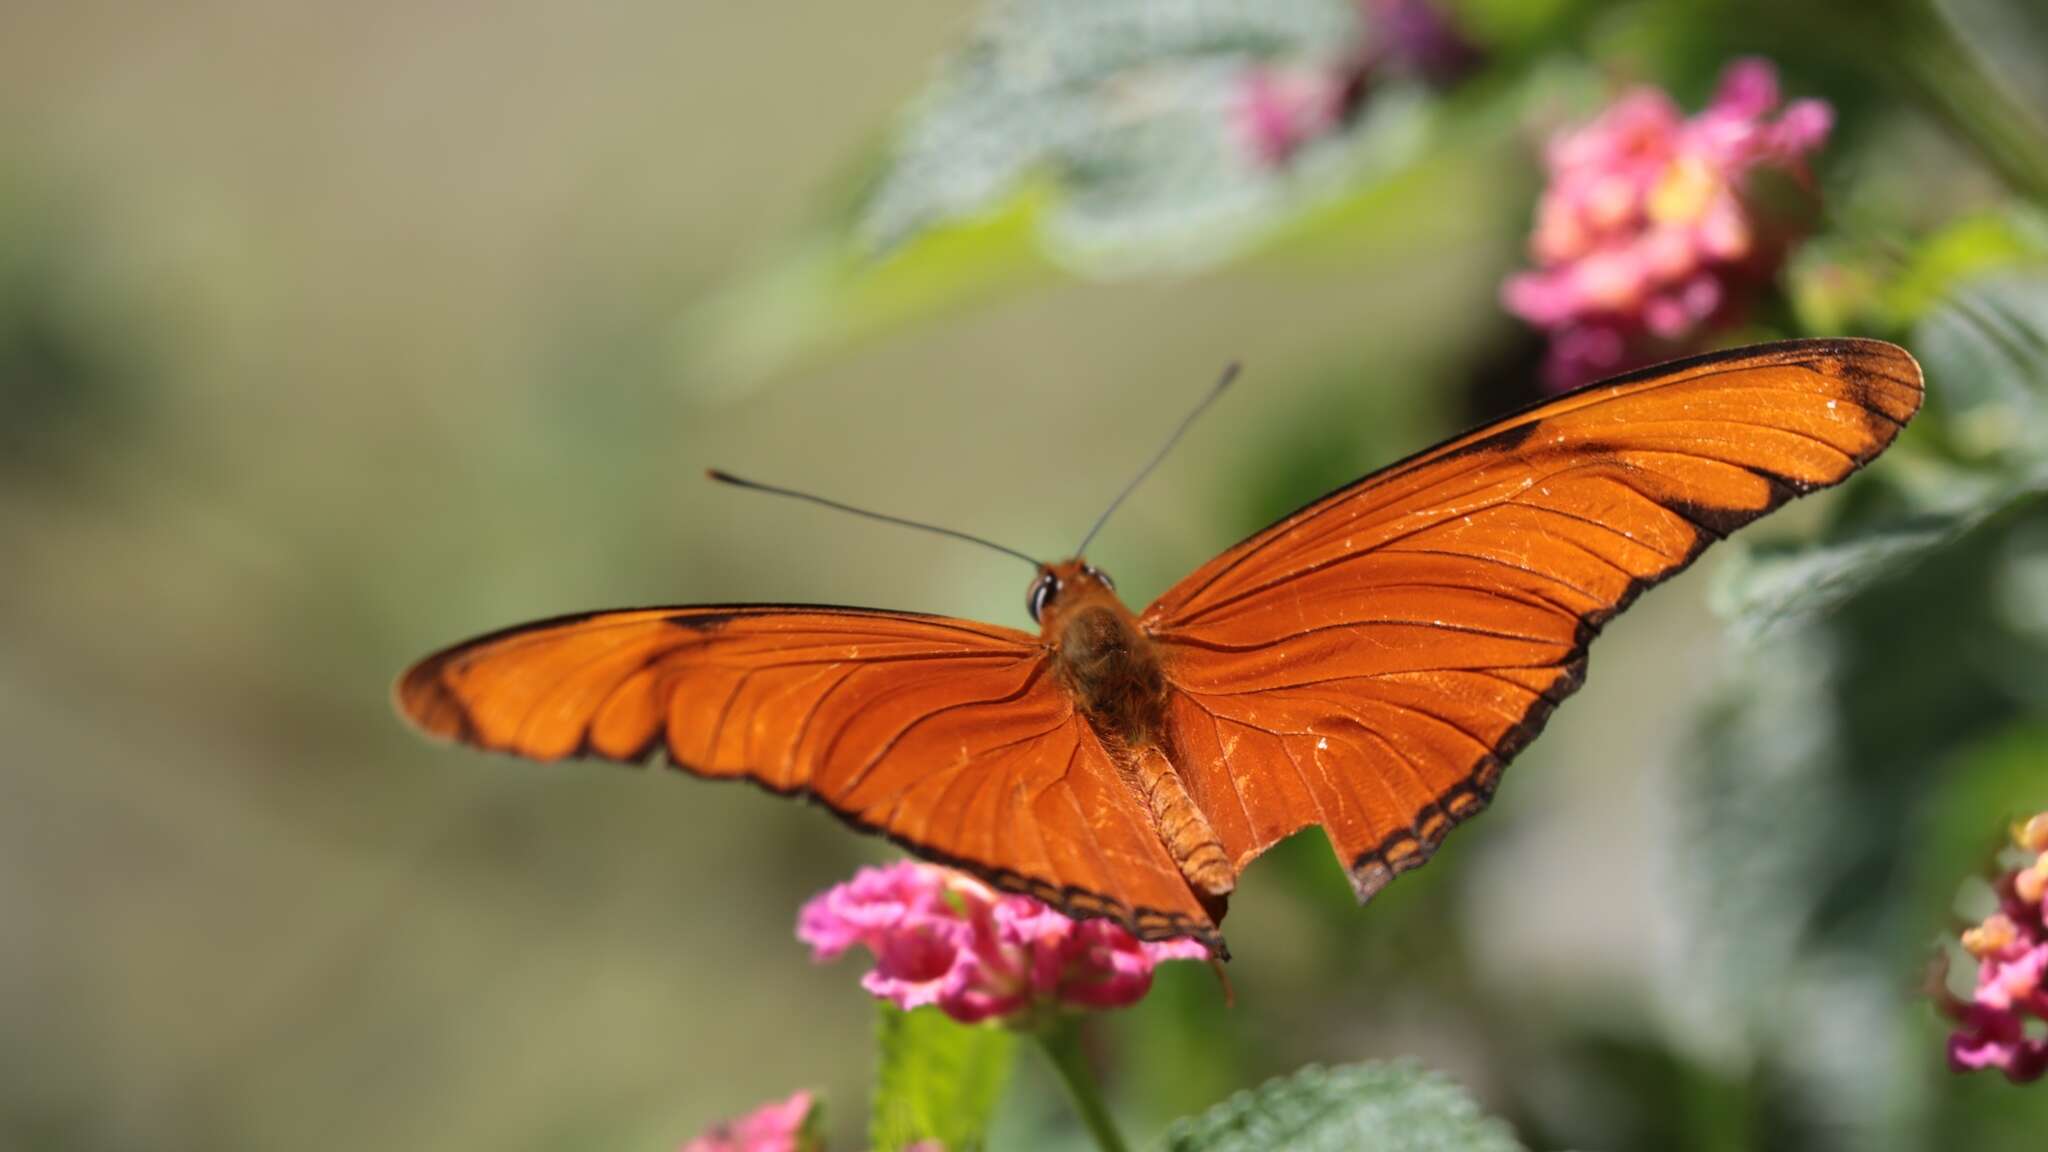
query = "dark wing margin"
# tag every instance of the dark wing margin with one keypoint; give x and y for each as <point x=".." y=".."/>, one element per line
<point x="1371" y="662"/>
<point x="949" y="737"/>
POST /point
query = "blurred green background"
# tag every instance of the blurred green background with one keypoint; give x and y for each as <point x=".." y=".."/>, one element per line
<point x="333" y="334"/>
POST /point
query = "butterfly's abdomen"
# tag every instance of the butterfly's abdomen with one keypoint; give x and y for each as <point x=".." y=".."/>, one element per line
<point x="1114" y="672"/>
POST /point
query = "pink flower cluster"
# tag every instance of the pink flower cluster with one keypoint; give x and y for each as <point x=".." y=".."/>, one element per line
<point x="2011" y="948"/>
<point x="782" y="1126"/>
<point x="1648" y="233"/>
<point x="1282" y="108"/>
<point x="942" y="937"/>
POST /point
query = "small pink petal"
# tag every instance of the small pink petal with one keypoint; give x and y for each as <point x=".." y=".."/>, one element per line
<point x="1802" y="129"/>
<point x="1559" y="234"/>
<point x="1668" y="253"/>
<point x="776" y="1127"/>
<point x="1541" y="299"/>
<point x="1278" y="111"/>
<point x="1748" y="90"/>
<point x="1666" y="317"/>
<point x="2003" y="983"/>
<point x="1965" y="1054"/>
<point x="1724" y="231"/>
<point x="1611" y="280"/>
<point x="1702" y="297"/>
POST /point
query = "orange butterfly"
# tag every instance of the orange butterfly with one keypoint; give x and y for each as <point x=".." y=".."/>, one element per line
<point x="1367" y="664"/>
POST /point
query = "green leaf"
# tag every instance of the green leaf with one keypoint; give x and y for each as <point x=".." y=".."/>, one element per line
<point x="1769" y="591"/>
<point x="1355" y="1108"/>
<point x="1986" y="351"/>
<point x="1966" y="249"/>
<point x="1986" y="358"/>
<point x="938" y="1080"/>
<point x="1125" y="104"/>
<point x="829" y="292"/>
<point x="1099" y="138"/>
<point x="1765" y="593"/>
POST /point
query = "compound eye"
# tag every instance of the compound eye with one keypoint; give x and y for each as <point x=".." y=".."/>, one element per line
<point x="1101" y="577"/>
<point x="1041" y="594"/>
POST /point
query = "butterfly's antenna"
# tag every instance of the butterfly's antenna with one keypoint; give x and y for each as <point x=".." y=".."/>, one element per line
<point x="1229" y="374"/>
<point x="738" y="482"/>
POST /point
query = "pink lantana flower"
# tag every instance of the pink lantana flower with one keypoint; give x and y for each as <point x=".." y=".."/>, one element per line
<point x="1649" y="233"/>
<point x="783" y="1126"/>
<point x="2011" y="950"/>
<point x="942" y="937"/>
<point x="1282" y="108"/>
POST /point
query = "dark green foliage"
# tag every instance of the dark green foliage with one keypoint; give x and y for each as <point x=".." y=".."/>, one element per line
<point x="1870" y="664"/>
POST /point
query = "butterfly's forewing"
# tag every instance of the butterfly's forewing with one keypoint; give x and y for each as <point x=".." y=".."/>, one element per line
<point x="950" y="737"/>
<point x="1371" y="662"/>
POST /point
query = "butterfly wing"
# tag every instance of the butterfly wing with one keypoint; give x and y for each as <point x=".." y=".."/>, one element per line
<point x="1371" y="662"/>
<point x="951" y="738"/>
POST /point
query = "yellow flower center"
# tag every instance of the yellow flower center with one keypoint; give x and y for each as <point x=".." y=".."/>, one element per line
<point x="1681" y="196"/>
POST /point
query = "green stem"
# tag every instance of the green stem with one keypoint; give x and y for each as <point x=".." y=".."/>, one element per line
<point x="1062" y="1044"/>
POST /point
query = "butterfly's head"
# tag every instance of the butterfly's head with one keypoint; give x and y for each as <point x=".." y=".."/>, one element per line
<point x="1060" y="588"/>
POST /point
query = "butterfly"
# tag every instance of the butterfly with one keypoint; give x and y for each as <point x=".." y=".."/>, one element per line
<point x="1368" y="664"/>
